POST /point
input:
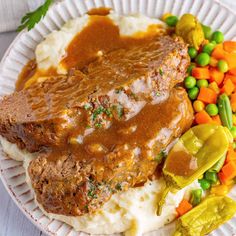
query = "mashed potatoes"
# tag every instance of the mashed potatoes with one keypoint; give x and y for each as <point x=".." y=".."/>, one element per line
<point x="132" y="212"/>
<point x="51" y="51"/>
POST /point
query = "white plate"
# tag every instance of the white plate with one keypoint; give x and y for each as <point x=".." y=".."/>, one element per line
<point x="210" y="12"/>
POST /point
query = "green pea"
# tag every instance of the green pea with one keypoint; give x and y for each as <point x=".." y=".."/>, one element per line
<point x="207" y="31"/>
<point x="171" y="21"/>
<point x="211" y="176"/>
<point x="233" y="131"/>
<point x="222" y="66"/>
<point x="193" y="93"/>
<point x="203" y="59"/>
<point x="208" y="48"/>
<point x="205" y="184"/>
<point x="202" y="83"/>
<point x="196" y="196"/>
<point x="212" y="109"/>
<point x="189" y="70"/>
<point x="213" y="42"/>
<point x="218" y="37"/>
<point x="192" y="52"/>
<point x="189" y="82"/>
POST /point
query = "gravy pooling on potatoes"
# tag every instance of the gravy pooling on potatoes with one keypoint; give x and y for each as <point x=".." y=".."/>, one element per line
<point x="100" y="36"/>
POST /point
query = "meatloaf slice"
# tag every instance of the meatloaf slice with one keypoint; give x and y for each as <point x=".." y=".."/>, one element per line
<point x="81" y="178"/>
<point x="115" y="87"/>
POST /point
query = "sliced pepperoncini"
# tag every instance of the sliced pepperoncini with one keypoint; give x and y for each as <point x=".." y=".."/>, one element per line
<point x="194" y="153"/>
<point x="207" y="216"/>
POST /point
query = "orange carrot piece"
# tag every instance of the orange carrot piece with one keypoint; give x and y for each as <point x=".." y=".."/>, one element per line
<point x="232" y="71"/>
<point x="231" y="77"/>
<point x="201" y="73"/>
<point x="216" y="76"/>
<point x="229" y="46"/>
<point x="233" y="102"/>
<point x="229" y="170"/>
<point x="231" y="155"/>
<point x="207" y="95"/>
<point x="219" y="53"/>
<point x="184" y="207"/>
<point x="216" y="120"/>
<point x="202" y="117"/>
<point x="223" y="179"/>
<point x="228" y="87"/>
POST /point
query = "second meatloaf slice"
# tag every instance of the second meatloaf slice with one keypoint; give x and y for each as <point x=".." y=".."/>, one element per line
<point x="81" y="178"/>
<point x="117" y="86"/>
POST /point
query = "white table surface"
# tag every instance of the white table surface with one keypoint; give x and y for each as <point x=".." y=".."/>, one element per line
<point x="12" y="220"/>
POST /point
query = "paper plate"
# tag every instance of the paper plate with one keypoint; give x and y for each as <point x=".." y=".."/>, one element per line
<point x="12" y="173"/>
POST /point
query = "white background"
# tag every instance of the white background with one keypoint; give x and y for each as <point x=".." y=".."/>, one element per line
<point x="12" y="220"/>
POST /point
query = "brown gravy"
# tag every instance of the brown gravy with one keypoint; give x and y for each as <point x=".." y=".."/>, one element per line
<point x="100" y="11"/>
<point x="181" y="163"/>
<point x="27" y="72"/>
<point x="98" y="37"/>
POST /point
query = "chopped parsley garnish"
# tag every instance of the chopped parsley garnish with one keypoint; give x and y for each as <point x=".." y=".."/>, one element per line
<point x="161" y="71"/>
<point x="108" y="112"/>
<point x="86" y="208"/>
<point x="98" y="125"/>
<point x="158" y="94"/>
<point x="87" y="106"/>
<point x="118" y="187"/>
<point x="92" y="194"/>
<point x="92" y="188"/>
<point x="118" y="90"/>
<point x="119" y="110"/>
<point x="97" y="112"/>
<point x="160" y="156"/>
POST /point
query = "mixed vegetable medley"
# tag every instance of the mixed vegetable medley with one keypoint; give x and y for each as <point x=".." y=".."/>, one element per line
<point x="207" y="152"/>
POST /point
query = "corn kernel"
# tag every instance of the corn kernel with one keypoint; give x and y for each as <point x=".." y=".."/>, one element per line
<point x="165" y="16"/>
<point x="220" y="190"/>
<point x="234" y="119"/>
<point x="214" y="87"/>
<point x="198" y="106"/>
<point x="213" y="62"/>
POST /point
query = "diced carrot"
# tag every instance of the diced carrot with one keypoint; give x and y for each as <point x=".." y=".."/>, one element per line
<point x="184" y="207"/>
<point x="202" y="117"/>
<point x="223" y="179"/>
<point x="229" y="170"/>
<point x="214" y="87"/>
<point x="231" y="77"/>
<point x="207" y="95"/>
<point x="232" y="71"/>
<point x="228" y="87"/>
<point x="231" y="60"/>
<point x="229" y="46"/>
<point x="231" y="155"/>
<point x="216" y="76"/>
<point x="233" y="102"/>
<point x="201" y="73"/>
<point x="219" y="53"/>
<point x="216" y="120"/>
